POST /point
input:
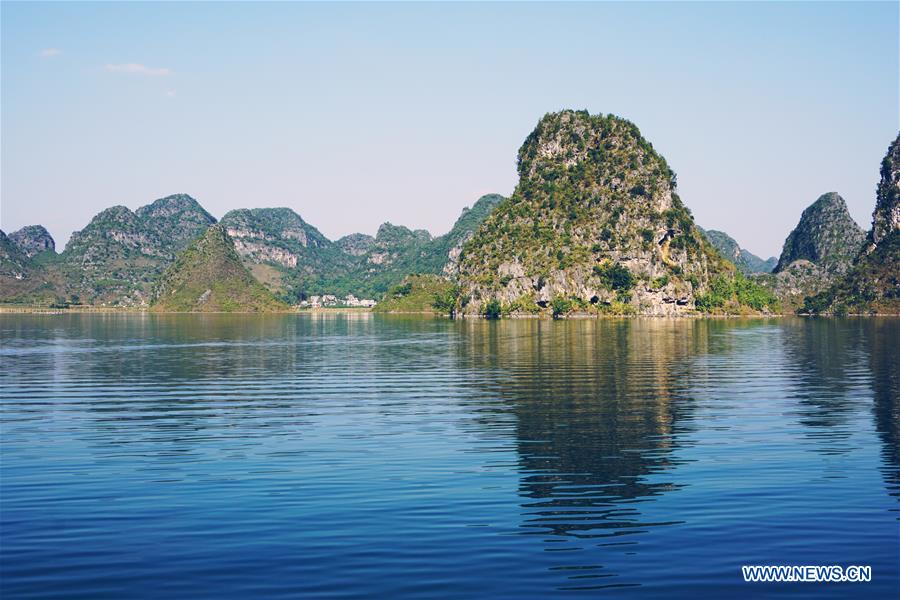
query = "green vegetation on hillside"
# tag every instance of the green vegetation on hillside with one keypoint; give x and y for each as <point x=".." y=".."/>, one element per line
<point x="595" y="220"/>
<point x="397" y="251"/>
<point x="733" y="294"/>
<point x="298" y="254"/>
<point x="118" y="257"/>
<point x="872" y="283"/>
<point x="209" y="277"/>
<point x="871" y="286"/>
<point x="744" y="260"/>
<point x="303" y="262"/>
<point x="420" y="294"/>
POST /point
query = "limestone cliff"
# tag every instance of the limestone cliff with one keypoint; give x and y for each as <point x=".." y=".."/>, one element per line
<point x="594" y="224"/>
<point x="872" y="283"/>
<point x="818" y="251"/>
<point x="33" y="240"/>
<point x="826" y="236"/>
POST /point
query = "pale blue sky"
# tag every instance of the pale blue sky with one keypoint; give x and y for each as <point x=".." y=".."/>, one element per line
<point x="355" y="114"/>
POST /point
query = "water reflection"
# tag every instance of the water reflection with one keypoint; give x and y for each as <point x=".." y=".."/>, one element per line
<point x="884" y="361"/>
<point x="600" y="408"/>
<point x="829" y="376"/>
<point x="372" y="454"/>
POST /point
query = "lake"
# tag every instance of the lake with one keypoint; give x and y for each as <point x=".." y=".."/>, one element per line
<point x="358" y="455"/>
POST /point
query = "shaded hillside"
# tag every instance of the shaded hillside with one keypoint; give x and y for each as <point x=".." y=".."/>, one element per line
<point x="210" y="277"/>
<point x="746" y="261"/>
<point x="594" y="224"/>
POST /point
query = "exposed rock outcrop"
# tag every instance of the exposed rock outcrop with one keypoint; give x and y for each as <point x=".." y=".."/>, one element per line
<point x="21" y="279"/>
<point x="356" y="244"/>
<point x="177" y="220"/>
<point x="298" y="254"/>
<point x="826" y="236"/>
<point x="817" y="252"/>
<point x="872" y="284"/>
<point x="33" y="240"/>
<point x="886" y="217"/>
<point x="595" y="221"/>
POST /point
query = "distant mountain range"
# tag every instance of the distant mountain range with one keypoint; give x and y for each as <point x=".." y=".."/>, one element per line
<point x="595" y="225"/>
<point x="119" y="257"/>
<point x="744" y="260"/>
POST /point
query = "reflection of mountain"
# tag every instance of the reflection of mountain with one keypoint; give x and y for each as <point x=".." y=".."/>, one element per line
<point x="885" y="364"/>
<point x="597" y="405"/>
<point x="828" y="360"/>
<point x="842" y="365"/>
<point x="180" y="376"/>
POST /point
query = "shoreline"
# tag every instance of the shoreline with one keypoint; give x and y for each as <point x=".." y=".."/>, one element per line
<point x="109" y="310"/>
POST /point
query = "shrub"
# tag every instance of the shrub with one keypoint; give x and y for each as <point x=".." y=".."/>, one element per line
<point x="560" y="306"/>
<point x="400" y="290"/>
<point x="739" y="290"/>
<point x="445" y="301"/>
<point x="492" y="309"/>
<point x="615" y="276"/>
<point x="813" y="305"/>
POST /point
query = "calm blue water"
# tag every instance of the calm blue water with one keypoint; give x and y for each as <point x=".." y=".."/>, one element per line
<point x="348" y="456"/>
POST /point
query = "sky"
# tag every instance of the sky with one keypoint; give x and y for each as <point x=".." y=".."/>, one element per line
<point x="357" y="114"/>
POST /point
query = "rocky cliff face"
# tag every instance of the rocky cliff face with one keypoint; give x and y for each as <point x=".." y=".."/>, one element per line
<point x="594" y="221"/>
<point x="886" y="218"/>
<point x="872" y="283"/>
<point x="276" y="235"/>
<point x="33" y="240"/>
<point x="746" y="261"/>
<point x="293" y="254"/>
<point x="396" y="243"/>
<point x="356" y="244"/>
<point x="451" y="245"/>
<point x="826" y="236"/>
<point x="819" y="250"/>
<point x="210" y="277"/>
<point x="13" y="262"/>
